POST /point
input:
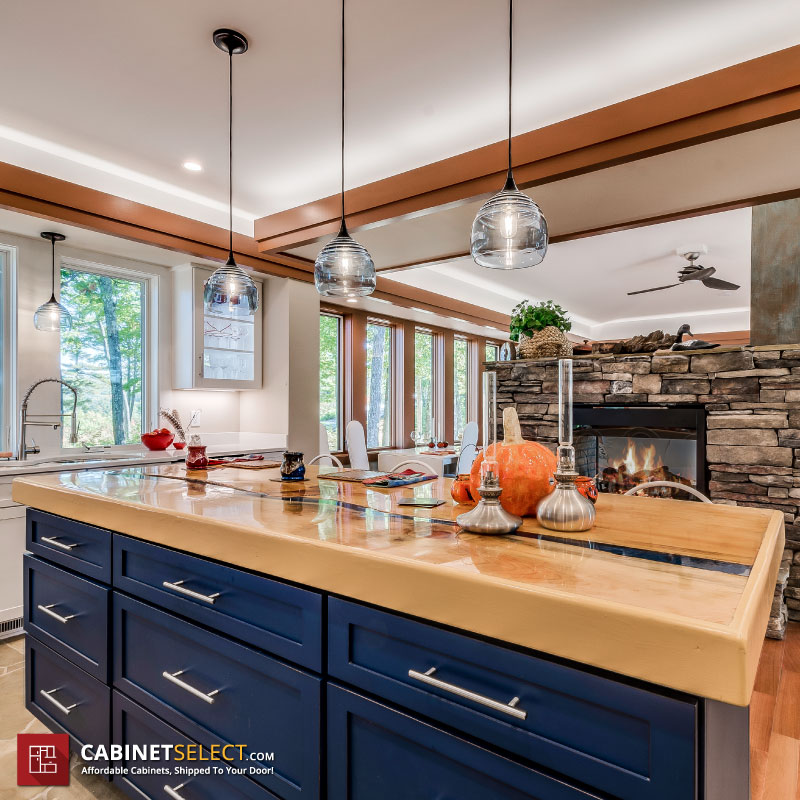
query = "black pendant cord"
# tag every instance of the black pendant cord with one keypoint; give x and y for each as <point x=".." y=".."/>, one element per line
<point x="343" y="229"/>
<point x="231" y="260"/>
<point x="53" y="268"/>
<point x="510" y="185"/>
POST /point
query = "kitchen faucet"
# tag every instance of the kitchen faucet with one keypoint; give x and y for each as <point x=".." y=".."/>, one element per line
<point x="24" y="419"/>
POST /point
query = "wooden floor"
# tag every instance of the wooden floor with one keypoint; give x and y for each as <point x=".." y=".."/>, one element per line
<point x="775" y="721"/>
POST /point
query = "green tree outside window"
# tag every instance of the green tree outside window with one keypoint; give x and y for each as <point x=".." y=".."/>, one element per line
<point x="102" y="356"/>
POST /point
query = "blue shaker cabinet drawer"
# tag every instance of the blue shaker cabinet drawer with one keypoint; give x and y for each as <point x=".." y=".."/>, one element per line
<point x="69" y="614"/>
<point x="65" y="698"/>
<point x="265" y="613"/>
<point x="376" y="753"/>
<point x="132" y="725"/>
<point x="629" y="742"/>
<point x="72" y="544"/>
<point x="217" y="691"/>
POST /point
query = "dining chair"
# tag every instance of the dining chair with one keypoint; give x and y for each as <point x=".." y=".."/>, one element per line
<point x="356" y="444"/>
<point x="409" y="461"/>
<point x="469" y="448"/>
<point x="671" y="485"/>
<point x="325" y="458"/>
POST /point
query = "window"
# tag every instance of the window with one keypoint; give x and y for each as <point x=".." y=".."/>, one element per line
<point x="423" y="385"/>
<point x="492" y="352"/>
<point x="330" y="378"/>
<point x="379" y="385"/>
<point x="460" y="386"/>
<point x="7" y="349"/>
<point x="103" y="355"/>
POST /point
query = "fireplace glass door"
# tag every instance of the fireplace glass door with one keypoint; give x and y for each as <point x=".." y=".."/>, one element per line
<point x="624" y="447"/>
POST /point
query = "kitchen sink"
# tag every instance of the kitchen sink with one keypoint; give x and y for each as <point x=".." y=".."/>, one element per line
<point x="76" y="459"/>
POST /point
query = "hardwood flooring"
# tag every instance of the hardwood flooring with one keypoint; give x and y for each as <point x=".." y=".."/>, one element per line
<point x="775" y="721"/>
<point x="774" y="728"/>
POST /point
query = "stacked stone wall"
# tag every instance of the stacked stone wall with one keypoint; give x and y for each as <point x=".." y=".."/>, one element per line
<point x="752" y="400"/>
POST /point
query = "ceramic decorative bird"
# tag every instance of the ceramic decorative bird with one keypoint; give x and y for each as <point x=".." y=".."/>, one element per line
<point x="690" y="344"/>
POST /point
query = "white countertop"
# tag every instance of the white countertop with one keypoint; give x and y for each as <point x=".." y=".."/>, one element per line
<point x="217" y="444"/>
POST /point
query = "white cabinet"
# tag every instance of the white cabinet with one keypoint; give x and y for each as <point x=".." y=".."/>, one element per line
<point x="12" y="546"/>
<point x="213" y="351"/>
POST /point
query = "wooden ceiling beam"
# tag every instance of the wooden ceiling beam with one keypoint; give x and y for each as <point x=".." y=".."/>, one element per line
<point x="616" y="227"/>
<point x="747" y="96"/>
<point x="52" y="199"/>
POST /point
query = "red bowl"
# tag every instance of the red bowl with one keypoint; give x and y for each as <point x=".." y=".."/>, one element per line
<point x="179" y="445"/>
<point x="157" y="441"/>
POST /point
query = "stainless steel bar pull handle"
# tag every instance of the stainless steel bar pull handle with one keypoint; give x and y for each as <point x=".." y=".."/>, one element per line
<point x="48" y="610"/>
<point x="177" y="586"/>
<point x="509" y="708"/>
<point x="56" y="543"/>
<point x="173" y="793"/>
<point x="48" y="695"/>
<point x="172" y="677"/>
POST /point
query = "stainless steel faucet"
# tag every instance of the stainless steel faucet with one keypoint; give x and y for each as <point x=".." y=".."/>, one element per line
<point x="24" y="419"/>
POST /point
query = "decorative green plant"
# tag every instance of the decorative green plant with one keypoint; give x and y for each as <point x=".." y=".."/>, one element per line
<point x="527" y="318"/>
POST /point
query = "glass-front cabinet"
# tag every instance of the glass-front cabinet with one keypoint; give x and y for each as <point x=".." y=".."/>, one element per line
<point x="216" y="349"/>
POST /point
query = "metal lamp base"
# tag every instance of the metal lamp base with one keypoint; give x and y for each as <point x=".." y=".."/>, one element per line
<point x="489" y="517"/>
<point x="565" y="508"/>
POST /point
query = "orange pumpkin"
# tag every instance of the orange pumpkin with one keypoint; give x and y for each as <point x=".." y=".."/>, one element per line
<point x="523" y="468"/>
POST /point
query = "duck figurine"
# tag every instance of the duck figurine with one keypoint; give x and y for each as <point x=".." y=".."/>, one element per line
<point x="690" y="344"/>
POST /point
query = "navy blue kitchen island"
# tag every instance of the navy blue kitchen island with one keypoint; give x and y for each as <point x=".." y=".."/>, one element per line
<point x="312" y="694"/>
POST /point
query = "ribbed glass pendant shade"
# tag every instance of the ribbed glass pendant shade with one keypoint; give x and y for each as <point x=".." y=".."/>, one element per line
<point x="509" y="231"/>
<point x="230" y="291"/>
<point x="52" y="316"/>
<point x="344" y="268"/>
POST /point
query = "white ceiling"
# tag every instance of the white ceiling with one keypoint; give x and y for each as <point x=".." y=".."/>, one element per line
<point x="590" y="278"/>
<point x="116" y="96"/>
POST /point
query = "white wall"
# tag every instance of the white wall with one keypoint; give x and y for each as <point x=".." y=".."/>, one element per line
<point x="290" y="392"/>
<point x="289" y="401"/>
<point x="733" y="319"/>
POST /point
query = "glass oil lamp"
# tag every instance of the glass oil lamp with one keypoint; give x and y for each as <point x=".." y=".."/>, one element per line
<point x="565" y="508"/>
<point x="489" y="517"/>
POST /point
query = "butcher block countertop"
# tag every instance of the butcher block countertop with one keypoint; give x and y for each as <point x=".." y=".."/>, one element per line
<point x="672" y="592"/>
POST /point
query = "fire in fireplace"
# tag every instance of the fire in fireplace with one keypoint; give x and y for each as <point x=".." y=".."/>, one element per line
<point x="625" y="462"/>
<point x="624" y="447"/>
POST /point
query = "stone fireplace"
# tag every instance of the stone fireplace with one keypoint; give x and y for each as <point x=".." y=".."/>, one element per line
<point x="738" y="413"/>
<point x="627" y="446"/>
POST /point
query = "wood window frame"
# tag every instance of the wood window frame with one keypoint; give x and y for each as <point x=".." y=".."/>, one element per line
<point x="340" y="378"/>
<point x="373" y="319"/>
<point x="353" y="369"/>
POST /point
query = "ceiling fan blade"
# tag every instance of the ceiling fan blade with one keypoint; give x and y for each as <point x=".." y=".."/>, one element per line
<point x="655" y="289"/>
<point x="703" y="273"/>
<point x="716" y="283"/>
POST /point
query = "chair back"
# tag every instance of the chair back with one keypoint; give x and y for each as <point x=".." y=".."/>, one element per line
<point x="469" y="448"/>
<point x="670" y="485"/>
<point x="356" y="445"/>
<point x="427" y="469"/>
<point x="324" y="447"/>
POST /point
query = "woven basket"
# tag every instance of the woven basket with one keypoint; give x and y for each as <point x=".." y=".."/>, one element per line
<point x="547" y="343"/>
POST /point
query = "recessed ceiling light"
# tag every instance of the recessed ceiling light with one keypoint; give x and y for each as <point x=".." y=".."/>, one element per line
<point x="192" y="166"/>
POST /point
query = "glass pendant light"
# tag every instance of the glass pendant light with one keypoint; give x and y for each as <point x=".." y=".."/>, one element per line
<point x="509" y="231"/>
<point x="344" y="268"/>
<point x="230" y="290"/>
<point x="52" y="316"/>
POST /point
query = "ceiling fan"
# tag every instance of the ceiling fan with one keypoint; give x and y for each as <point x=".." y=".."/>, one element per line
<point x="694" y="272"/>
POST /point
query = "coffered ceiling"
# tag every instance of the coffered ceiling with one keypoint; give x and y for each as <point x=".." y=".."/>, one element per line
<point x="116" y="96"/>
